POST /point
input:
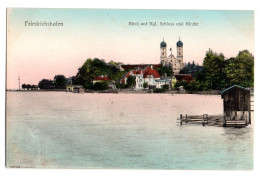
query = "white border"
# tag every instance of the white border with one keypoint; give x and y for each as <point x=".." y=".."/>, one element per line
<point x="123" y="4"/>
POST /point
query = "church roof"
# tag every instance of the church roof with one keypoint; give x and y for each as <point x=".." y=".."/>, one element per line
<point x="179" y="44"/>
<point x="163" y="44"/>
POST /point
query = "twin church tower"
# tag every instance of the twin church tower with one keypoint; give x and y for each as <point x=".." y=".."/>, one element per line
<point x="176" y="63"/>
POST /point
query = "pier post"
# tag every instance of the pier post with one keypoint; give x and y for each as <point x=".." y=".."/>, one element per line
<point x="203" y="124"/>
<point x="181" y="119"/>
<point x="186" y="118"/>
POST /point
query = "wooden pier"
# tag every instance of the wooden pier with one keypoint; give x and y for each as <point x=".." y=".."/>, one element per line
<point x="210" y="120"/>
<point x="205" y="119"/>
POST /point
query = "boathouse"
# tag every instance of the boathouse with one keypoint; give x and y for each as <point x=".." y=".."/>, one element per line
<point x="236" y="104"/>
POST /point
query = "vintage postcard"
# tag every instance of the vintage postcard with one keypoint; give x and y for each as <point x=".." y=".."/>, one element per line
<point x="130" y="89"/>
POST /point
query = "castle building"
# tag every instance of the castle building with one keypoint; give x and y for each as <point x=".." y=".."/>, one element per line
<point x="176" y="63"/>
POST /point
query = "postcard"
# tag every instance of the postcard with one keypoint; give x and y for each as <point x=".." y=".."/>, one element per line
<point x="130" y="89"/>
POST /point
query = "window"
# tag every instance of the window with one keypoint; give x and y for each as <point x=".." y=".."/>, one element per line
<point x="179" y="53"/>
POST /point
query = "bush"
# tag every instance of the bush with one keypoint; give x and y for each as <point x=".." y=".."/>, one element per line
<point x="145" y="85"/>
<point x="100" y="86"/>
<point x="157" y="90"/>
<point x="88" y="86"/>
<point x="165" y="87"/>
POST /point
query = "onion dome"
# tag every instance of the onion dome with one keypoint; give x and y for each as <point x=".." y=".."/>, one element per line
<point x="163" y="44"/>
<point x="179" y="43"/>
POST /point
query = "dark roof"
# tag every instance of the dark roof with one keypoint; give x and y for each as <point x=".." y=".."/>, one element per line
<point x="234" y="86"/>
<point x="179" y="44"/>
<point x="163" y="44"/>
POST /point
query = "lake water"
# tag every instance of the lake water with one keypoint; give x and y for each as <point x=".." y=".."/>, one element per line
<point x="67" y="130"/>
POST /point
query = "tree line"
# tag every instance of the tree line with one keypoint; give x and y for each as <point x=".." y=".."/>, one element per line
<point x="218" y="73"/>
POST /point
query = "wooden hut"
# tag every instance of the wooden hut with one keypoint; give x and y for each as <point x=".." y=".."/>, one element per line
<point x="236" y="101"/>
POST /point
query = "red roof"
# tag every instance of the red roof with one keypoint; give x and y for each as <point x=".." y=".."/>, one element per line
<point x="146" y="72"/>
<point x="150" y="71"/>
<point x="184" y="77"/>
<point x="102" y="78"/>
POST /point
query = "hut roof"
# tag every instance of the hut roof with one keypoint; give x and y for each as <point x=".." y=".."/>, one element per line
<point x="231" y="87"/>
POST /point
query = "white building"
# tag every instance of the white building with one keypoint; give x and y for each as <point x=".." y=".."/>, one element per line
<point x="148" y="74"/>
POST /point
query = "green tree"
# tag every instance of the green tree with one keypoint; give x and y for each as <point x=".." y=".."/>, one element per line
<point x="100" y="85"/>
<point x="60" y="81"/>
<point x="165" y="70"/>
<point x="145" y="84"/>
<point x="95" y="67"/>
<point x="240" y="70"/>
<point x="130" y="82"/>
<point x="165" y="87"/>
<point x="213" y="65"/>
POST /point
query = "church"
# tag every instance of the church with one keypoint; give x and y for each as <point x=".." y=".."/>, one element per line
<point x="175" y="62"/>
<point x="148" y="73"/>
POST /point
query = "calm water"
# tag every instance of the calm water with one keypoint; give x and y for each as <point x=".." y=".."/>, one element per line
<point x="66" y="130"/>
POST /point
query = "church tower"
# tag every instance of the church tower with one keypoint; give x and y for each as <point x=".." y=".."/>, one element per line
<point x="179" y="49"/>
<point x="163" y="47"/>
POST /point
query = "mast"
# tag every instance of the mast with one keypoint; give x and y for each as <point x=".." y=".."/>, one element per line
<point x="19" y="81"/>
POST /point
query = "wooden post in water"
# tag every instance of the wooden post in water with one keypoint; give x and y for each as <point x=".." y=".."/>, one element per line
<point x="186" y="118"/>
<point x="181" y="119"/>
<point x="203" y="124"/>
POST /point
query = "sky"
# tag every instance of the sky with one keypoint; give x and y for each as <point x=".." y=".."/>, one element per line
<point x="38" y="52"/>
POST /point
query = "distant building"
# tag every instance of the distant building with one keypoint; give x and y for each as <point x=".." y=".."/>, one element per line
<point x="163" y="81"/>
<point x="148" y="74"/>
<point x="175" y="62"/>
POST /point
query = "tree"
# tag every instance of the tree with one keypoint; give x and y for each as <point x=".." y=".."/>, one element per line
<point x="213" y="65"/>
<point x="60" y="81"/>
<point x="100" y="86"/>
<point x="191" y="68"/>
<point x="95" y="67"/>
<point x="240" y="70"/>
<point x="165" y="70"/>
<point x="165" y="87"/>
<point x="130" y="82"/>
<point x="46" y="84"/>
<point x="145" y="84"/>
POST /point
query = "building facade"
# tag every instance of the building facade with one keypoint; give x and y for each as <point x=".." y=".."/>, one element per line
<point x="147" y="74"/>
<point x="171" y="60"/>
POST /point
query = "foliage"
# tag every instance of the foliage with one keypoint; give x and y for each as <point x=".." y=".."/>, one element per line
<point x="100" y="85"/>
<point x="219" y="73"/>
<point x="145" y="85"/>
<point x="157" y="90"/>
<point x="165" y="87"/>
<point x="165" y="70"/>
<point x="131" y="81"/>
<point x="60" y="81"/>
<point x="214" y="73"/>
<point x="28" y="86"/>
<point x="191" y="68"/>
<point x="46" y="84"/>
<point x="240" y="70"/>
<point x="95" y="67"/>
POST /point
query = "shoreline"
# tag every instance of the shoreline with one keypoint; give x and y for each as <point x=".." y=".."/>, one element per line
<point x="215" y="92"/>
